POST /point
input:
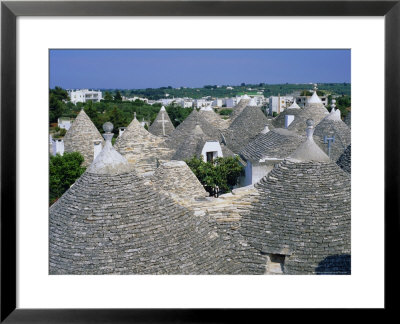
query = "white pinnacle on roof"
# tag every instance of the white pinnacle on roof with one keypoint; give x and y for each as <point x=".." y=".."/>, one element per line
<point x="109" y="161"/>
<point x="333" y="105"/>
<point x="335" y="113"/>
<point x="294" y="105"/>
<point x="208" y="108"/>
<point x="314" y="98"/>
<point x="162" y="108"/>
<point x="253" y="102"/>
<point x="265" y="130"/>
<point x="309" y="150"/>
<point x="245" y="96"/>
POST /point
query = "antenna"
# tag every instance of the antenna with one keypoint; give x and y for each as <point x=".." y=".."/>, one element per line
<point x="329" y="140"/>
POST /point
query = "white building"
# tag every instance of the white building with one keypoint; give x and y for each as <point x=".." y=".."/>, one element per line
<point x="217" y="103"/>
<point x="211" y="150"/>
<point x="64" y="122"/>
<point x="185" y="103"/>
<point x="303" y="100"/>
<point x="166" y="102"/>
<point x="135" y="98"/>
<point x="84" y="95"/>
<point x="198" y="103"/>
<point x="279" y="104"/>
<point x="231" y="102"/>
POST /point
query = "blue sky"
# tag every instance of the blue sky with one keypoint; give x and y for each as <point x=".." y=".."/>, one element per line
<point x="137" y="69"/>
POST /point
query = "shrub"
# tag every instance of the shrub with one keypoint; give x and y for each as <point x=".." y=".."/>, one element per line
<point x="64" y="170"/>
<point x="218" y="176"/>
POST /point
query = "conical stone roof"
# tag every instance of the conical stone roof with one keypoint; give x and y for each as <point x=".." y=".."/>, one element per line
<point x="162" y="125"/>
<point x="245" y="128"/>
<point x="237" y="110"/>
<point x="175" y="179"/>
<point x="344" y="160"/>
<point x="191" y="145"/>
<point x="309" y="150"/>
<point x="294" y="105"/>
<point x="303" y="214"/>
<point x="141" y="148"/>
<point x="278" y="143"/>
<point x="109" y="161"/>
<point x="314" y="110"/>
<point x="186" y="128"/>
<point x="213" y="118"/>
<point x="81" y="136"/>
<point x="252" y="102"/>
<point x="333" y="126"/>
<point x="279" y="121"/>
<point x="293" y="109"/>
<point x="110" y="222"/>
<point x="314" y="98"/>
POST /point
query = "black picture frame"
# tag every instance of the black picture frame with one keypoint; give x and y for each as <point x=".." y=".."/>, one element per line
<point x="10" y="10"/>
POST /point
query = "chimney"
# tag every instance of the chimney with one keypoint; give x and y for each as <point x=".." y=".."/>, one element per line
<point x="288" y="120"/>
<point x="121" y="131"/>
<point x="96" y="148"/>
<point x="58" y="146"/>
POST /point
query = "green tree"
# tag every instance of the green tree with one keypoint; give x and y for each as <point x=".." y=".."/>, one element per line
<point x="309" y="93"/>
<point x="329" y="99"/>
<point x="107" y="96"/>
<point x="64" y="170"/>
<point x="116" y="117"/>
<point x="56" y="103"/>
<point x="228" y="170"/>
<point x="90" y="110"/>
<point x="118" y="96"/>
<point x="343" y="103"/>
<point x="225" y="112"/>
<point x="218" y="176"/>
<point x="178" y="114"/>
